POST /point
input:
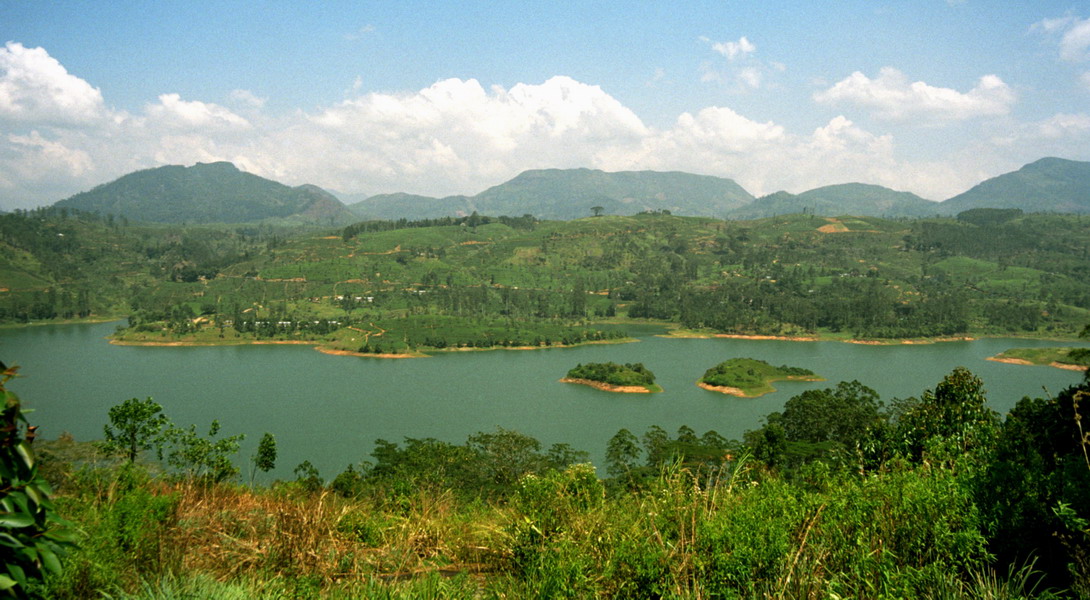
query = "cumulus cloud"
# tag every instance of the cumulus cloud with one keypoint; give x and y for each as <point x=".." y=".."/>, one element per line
<point x="1063" y="126"/>
<point x="742" y="69"/>
<point x="175" y="112"/>
<point x="733" y="50"/>
<point x="463" y="130"/>
<point x="1074" y="36"/>
<point x="892" y="96"/>
<point x="36" y="88"/>
<point x="247" y="98"/>
<point x="459" y="136"/>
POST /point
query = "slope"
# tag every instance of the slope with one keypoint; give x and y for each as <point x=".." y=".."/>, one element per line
<point x="1047" y="185"/>
<point x="208" y="193"/>
<point x="857" y="199"/>
<point x="564" y="194"/>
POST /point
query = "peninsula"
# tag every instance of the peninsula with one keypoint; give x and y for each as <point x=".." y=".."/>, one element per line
<point x="1074" y="359"/>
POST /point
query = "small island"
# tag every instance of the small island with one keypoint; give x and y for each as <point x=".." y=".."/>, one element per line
<point x="750" y="378"/>
<point x="612" y="377"/>
<point x="1075" y="359"/>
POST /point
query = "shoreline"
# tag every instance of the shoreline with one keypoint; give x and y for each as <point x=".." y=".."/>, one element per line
<point x="606" y="387"/>
<point x="338" y="352"/>
<point x="724" y="389"/>
<point x="335" y="352"/>
<point x="686" y="334"/>
<point x="734" y="391"/>
<point x="1023" y="362"/>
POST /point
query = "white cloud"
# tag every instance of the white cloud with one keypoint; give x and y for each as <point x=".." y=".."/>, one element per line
<point x="35" y="88"/>
<point x="173" y="111"/>
<point x="458" y="136"/>
<point x="892" y="96"/>
<point x="468" y="133"/>
<point x="1075" y="38"/>
<point x="1063" y="126"/>
<point x="742" y="69"/>
<point x="247" y="98"/>
<point x="733" y="50"/>
<point x="360" y="33"/>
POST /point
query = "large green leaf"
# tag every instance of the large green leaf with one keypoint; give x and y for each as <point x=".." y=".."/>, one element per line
<point x="49" y="560"/>
<point x="16" y="520"/>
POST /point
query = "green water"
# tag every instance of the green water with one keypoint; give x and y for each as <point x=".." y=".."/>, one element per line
<point x="330" y="409"/>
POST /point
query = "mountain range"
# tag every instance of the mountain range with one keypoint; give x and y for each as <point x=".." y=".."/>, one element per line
<point x="563" y="194"/>
<point x="220" y="192"/>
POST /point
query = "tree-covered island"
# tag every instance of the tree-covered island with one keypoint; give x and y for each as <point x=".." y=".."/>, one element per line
<point x="750" y="378"/>
<point x="612" y="377"/>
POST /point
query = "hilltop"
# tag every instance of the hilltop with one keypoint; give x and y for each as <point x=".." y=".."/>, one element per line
<point x="857" y="199"/>
<point x="208" y="193"/>
<point x="1047" y="185"/>
<point x="565" y="194"/>
<point x="221" y="193"/>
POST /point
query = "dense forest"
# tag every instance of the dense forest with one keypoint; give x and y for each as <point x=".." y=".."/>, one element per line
<point x="484" y="282"/>
<point x="838" y="495"/>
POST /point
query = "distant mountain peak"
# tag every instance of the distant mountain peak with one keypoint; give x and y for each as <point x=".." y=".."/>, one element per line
<point x="571" y="193"/>
<point x="208" y="193"/>
<point x="1050" y="184"/>
<point x="856" y="199"/>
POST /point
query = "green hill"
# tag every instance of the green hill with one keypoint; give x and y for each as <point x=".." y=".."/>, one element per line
<point x="857" y="199"/>
<point x="515" y="281"/>
<point x="572" y="193"/>
<point x="208" y="193"/>
<point x="565" y="194"/>
<point x="391" y="207"/>
<point x="1047" y="185"/>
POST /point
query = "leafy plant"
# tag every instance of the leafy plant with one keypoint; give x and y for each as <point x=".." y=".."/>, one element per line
<point x="200" y="457"/>
<point x="32" y="535"/>
<point x="135" y="425"/>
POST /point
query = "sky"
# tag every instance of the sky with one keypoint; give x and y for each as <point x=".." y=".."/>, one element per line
<point x="439" y="98"/>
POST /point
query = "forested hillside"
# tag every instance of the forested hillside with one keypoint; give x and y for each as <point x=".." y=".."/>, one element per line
<point x="208" y="193"/>
<point x="836" y="200"/>
<point x="1046" y="185"/>
<point x="572" y="193"/>
<point x="485" y="282"/>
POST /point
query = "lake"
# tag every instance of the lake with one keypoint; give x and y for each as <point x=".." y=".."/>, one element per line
<point x="330" y="409"/>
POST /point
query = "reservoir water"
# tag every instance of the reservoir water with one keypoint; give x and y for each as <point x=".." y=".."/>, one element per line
<point x="330" y="409"/>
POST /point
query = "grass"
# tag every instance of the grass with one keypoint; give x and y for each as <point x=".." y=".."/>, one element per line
<point x="743" y="534"/>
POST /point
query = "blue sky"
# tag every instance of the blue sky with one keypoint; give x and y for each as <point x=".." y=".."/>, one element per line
<point x="930" y="96"/>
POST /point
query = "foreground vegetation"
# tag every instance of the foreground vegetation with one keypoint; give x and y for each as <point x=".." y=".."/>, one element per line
<point x="836" y="496"/>
<point x="750" y="377"/>
<point x="401" y="287"/>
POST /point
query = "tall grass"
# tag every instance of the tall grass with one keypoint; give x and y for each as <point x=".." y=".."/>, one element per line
<point x="559" y="535"/>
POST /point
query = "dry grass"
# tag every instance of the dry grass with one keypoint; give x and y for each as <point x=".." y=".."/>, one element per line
<point x="237" y="533"/>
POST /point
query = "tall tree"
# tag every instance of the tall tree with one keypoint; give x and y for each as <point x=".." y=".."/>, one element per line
<point x="134" y="425"/>
<point x="622" y="453"/>
<point x="265" y="458"/>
